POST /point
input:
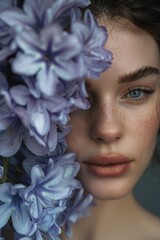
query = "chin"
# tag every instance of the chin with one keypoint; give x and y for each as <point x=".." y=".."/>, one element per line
<point x="113" y="194"/>
<point x="107" y="189"/>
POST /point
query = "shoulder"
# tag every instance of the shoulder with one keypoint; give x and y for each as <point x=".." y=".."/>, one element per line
<point x="155" y="228"/>
<point x="151" y="226"/>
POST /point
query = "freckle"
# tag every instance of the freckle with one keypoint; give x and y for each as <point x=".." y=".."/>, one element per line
<point x="77" y="121"/>
<point x="77" y="125"/>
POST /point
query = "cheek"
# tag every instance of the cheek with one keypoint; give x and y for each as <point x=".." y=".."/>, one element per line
<point x="144" y="129"/>
<point x="76" y="137"/>
<point x="145" y="125"/>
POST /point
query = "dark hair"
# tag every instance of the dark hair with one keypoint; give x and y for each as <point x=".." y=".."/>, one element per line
<point x="143" y="13"/>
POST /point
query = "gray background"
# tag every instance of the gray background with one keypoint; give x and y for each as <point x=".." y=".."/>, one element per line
<point x="147" y="191"/>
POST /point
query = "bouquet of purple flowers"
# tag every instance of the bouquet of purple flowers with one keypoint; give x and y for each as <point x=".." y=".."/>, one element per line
<point x="47" y="49"/>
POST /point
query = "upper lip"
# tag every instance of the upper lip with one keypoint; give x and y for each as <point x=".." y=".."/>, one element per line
<point x="111" y="159"/>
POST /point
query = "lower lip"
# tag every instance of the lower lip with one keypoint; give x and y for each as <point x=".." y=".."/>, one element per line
<point x="112" y="170"/>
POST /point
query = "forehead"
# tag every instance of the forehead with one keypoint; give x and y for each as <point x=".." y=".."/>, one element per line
<point x="131" y="46"/>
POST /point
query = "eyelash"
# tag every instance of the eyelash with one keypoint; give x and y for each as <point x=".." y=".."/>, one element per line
<point x="144" y="90"/>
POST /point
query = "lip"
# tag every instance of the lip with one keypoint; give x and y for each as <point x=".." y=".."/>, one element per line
<point x="113" y="165"/>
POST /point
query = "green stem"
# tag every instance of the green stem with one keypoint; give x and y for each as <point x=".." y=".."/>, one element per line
<point x="5" y="162"/>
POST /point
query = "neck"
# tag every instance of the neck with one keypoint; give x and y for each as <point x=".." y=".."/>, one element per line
<point x="113" y="208"/>
<point x="107" y="216"/>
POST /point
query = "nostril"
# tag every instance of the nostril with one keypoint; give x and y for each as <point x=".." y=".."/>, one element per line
<point x="99" y="140"/>
<point x="107" y="135"/>
<point x="107" y="139"/>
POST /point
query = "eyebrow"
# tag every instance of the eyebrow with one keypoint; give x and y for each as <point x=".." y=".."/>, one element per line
<point x="138" y="74"/>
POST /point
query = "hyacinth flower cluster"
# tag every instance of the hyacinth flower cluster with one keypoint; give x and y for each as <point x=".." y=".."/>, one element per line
<point x="47" y="49"/>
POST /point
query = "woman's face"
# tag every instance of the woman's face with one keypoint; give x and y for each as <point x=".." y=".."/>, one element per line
<point x="116" y="137"/>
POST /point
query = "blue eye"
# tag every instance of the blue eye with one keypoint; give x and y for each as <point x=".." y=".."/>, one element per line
<point x="136" y="93"/>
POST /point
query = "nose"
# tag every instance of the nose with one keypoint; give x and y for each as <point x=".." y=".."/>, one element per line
<point x="106" y="124"/>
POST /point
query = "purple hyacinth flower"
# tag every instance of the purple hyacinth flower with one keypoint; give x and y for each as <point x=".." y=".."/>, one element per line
<point x="27" y="115"/>
<point x="75" y="92"/>
<point x="38" y="14"/>
<point x="11" y="205"/>
<point x="40" y="115"/>
<point x="50" y="49"/>
<point x="51" y="55"/>
<point x="18" y="123"/>
<point x="96" y="57"/>
<point x="51" y="184"/>
<point x="50" y="58"/>
<point x="62" y="6"/>
<point x="47" y="227"/>
<point x="77" y="207"/>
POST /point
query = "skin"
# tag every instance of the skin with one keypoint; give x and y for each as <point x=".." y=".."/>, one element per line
<point x="118" y="121"/>
<point x="121" y="120"/>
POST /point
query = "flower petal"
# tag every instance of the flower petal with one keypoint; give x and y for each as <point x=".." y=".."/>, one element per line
<point x="34" y="146"/>
<point x="47" y="80"/>
<point x="14" y="17"/>
<point x="12" y="137"/>
<point x="67" y="70"/>
<point x="39" y="118"/>
<point x="29" y="42"/>
<point x="25" y="64"/>
<point x="21" y="220"/>
<point x="20" y="94"/>
<point x="52" y="138"/>
<point x="5" y="192"/>
<point x="37" y="174"/>
<point x="35" y="206"/>
<point x="5" y="213"/>
<point x="61" y="6"/>
<point x="5" y="52"/>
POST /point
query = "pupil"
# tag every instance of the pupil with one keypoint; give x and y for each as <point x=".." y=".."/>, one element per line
<point x="135" y="93"/>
